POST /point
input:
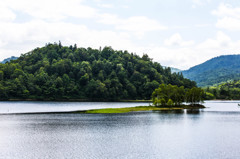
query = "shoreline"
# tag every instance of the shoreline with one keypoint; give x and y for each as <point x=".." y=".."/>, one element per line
<point x="117" y="110"/>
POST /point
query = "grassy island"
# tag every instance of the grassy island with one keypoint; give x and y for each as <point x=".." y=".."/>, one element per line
<point x="138" y="108"/>
<point x="124" y="110"/>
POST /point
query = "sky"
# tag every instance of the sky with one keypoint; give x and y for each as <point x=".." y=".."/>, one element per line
<point x="175" y="33"/>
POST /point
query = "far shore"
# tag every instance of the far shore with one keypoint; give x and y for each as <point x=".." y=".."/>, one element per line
<point x="81" y="100"/>
<point x="98" y="100"/>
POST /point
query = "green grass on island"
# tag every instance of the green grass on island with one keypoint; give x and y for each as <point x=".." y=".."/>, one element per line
<point x="139" y="108"/>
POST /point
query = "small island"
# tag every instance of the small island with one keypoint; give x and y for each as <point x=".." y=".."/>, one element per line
<point x="138" y="109"/>
<point x="174" y="95"/>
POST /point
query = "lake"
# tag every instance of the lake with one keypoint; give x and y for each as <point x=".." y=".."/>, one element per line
<point x="209" y="133"/>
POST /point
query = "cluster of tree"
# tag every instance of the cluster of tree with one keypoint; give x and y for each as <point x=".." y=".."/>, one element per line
<point x="60" y="72"/>
<point x="228" y="90"/>
<point x="170" y="95"/>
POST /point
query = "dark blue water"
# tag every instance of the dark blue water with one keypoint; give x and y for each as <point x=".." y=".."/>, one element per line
<point x="209" y="133"/>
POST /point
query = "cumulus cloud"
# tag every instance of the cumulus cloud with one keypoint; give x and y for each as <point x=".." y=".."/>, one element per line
<point x="227" y="10"/>
<point x="176" y="40"/>
<point x="51" y="10"/>
<point x="38" y="32"/>
<point x="228" y="17"/>
<point x="137" y="24"/>
<point x="185" y="56"/>
<point x="47" y="21"/>
<point x="220" y="41"/>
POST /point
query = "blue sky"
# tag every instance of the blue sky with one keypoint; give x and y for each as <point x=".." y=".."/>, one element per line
<point x="175" y="33"/>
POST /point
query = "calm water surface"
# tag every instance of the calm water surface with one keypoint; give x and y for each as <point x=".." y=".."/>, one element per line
<point x="209" y="133"/>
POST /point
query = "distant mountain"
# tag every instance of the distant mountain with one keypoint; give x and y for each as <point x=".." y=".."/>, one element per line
<point x="9" y="59"/>
<point x="173" y="70"/>
<point x="216" y="70"/>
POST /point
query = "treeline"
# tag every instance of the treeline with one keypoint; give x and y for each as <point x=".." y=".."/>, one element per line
<point x="59" y="72"/>
<point x="228" y="90"/>
<point x="172" y="95"/>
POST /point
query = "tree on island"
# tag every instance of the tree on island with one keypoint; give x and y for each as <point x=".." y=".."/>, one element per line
<point x="172" y="95"/>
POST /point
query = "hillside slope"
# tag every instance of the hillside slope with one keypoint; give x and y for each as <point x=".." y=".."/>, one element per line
<point x="57" y="72"/>
<point x="216" y="70"/>
<point x="227" y="90"/>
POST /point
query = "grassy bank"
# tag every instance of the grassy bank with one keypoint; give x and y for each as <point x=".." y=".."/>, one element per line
<point x="139" y="108"/>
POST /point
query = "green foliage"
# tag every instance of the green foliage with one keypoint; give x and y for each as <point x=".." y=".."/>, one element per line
<point x="59" y="72"/>
<point x="170" y="102"/>
<point x="214" y="71"/>
<point x="228" y="90"/>
<point x="194" y="95"/>
<point x="175" y="95"/>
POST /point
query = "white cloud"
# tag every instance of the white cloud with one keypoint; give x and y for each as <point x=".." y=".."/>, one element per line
<point x="220" y="41"/>
<point x="176" y="40"/>
<point x="140" y="24"/>
<point x="51" y="10"/>
<point x="229" y="17"/>
<point x="47" y="24"/>
<point x="137" y="24"/>
<point x="185" y="56"/>
<point x="229" y="23"/>
<point x="38" y="32"/>
<point x="226" y="10"/>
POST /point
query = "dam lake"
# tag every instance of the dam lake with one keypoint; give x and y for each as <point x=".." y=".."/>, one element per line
<point x="213" y="132"/>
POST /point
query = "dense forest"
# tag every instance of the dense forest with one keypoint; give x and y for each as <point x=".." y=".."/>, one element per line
<point x="58" y="72"/>
<point x="216" y="70"/>
<point x="227" y="90"/>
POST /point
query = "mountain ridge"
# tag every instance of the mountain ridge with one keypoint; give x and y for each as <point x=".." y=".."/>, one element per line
<point x="216" y="70"/>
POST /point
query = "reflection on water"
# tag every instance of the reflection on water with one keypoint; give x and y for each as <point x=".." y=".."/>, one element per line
<point x="180" y="111"/>
<point x="209" y="133"/>
<point x="194" y="111"/>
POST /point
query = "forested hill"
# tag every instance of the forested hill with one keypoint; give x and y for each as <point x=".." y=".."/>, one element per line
<point x="57" y="72"/>
<point x="216" y="70"/>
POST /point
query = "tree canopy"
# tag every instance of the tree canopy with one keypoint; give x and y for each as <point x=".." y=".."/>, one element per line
<point x="60" y="72"/>
<point x="227" y="90"/>
<point x="170" y="95"/>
